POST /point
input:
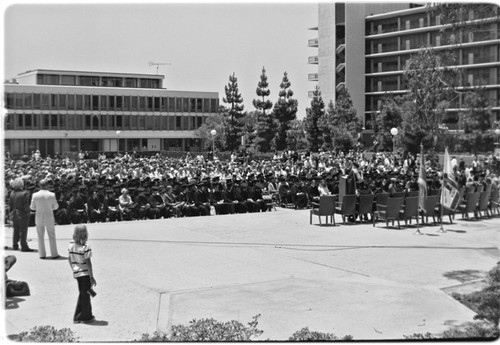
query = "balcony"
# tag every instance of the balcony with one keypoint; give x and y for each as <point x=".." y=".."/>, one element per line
<point x="310" y="94"/>
<point x="312" y="77"/>
<point x="313" y="43"/>
<point x="340" y="67"/>
<point x="340" y="86"/>
<point x="312" y="60"/>
<point x="340" y="49"/>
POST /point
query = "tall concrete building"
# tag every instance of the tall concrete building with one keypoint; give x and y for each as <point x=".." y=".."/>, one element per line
<point x="366" y="47"/>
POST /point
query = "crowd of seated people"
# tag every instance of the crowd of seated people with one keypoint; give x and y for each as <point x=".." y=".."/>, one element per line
<point x="126" y="187"/>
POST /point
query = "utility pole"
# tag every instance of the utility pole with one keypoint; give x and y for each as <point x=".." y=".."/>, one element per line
<point x="158" y="64"/>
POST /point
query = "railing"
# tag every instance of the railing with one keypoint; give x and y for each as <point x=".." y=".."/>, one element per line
<point x="312" y="59"/>
<point x="312" y="42"/>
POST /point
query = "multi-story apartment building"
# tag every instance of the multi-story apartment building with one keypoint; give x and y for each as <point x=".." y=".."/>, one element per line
<point x="58" y="111"/>
<point x="367" y="46"/>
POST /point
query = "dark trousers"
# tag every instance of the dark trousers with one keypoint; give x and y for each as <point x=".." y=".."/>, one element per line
<point x="20" y="224"/>
<point x="83" y="311"/>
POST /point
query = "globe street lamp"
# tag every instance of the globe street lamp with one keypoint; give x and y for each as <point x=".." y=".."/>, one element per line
<point x="118" y="142"/>
<point x="213" y="132"/>
<point x="394" y="132"/>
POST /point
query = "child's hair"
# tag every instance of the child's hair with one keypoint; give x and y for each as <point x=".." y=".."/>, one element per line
<point x="80" y="235"/>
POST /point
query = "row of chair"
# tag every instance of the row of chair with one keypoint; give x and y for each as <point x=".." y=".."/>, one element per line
<point x="397" y="207"/>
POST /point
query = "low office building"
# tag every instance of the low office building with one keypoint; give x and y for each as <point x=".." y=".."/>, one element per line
<point x="57" y="111"/>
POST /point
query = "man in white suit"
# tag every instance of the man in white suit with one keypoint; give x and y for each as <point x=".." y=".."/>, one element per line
<point x="44" y="203"/>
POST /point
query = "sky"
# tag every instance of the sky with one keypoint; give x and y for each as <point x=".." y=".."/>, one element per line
<point x="203" y="42"/>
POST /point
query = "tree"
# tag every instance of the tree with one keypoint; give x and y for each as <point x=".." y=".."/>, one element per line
<point x="389" y="116"/>
<point x="217" y="122"/>
<point x="475" y="121"/>
<point x="296" y="135"/>
<point x="430" y="84"/>
<point x="265" y="125"/>
<point x="326" y="127"/>
<point x="285" y="111"/>
<point x="313" y="115"/>
<point x="346" y="122"/>
<point x="235" y="113"/>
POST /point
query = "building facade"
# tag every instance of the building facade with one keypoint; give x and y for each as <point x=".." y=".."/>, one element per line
<point x="367" y="46"/>
<point x="58" y="111"/>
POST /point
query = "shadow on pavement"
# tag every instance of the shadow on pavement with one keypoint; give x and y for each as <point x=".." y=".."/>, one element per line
<point x="13" y="302"/>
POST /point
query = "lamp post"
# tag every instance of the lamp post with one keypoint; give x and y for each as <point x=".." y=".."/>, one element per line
<point x="497" y="132"/>
<point x="118" y="142"/>
<point x="394" y="132"/>
<point x="213" y="132"/>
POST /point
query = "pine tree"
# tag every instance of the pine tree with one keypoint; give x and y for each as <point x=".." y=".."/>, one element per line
<point x="265" y="125"/>
<point x="325" y="125"/>
<point x="313" y="115"/>
<point x="285" y="111"/>
<point x="235" y="114"/>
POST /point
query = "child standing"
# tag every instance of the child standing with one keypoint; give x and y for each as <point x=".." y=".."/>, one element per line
<point x="79" y="261"/>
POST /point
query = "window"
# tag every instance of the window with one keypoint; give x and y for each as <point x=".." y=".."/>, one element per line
<point x="135" y="103"/>
<point x="28" y="121"/>
<point x="45" y="98"/>
<point x="142" y="121"/>
<point x="68" y="80"/>
<point x="171" y="104"/>
<point x="156" y="105"/>
<point x="111" y="103"/>
<point x="126" y="103"/>
<point x="46" y="121"/>
<point x="104" y="102"/>
<point x="18" y="100"/>
<point x="47" y="79"/>
<point x="78" y="122"/>
<point x="79" y="102"/>
<point x="149" y="104"/>
<point x="119" y="121"/>
<point x="54" y="121"/>
<point x="95" y="102"/>
<point x="62" y="102"/>
<point x="126" y="122"/>
<point x="164" y="104"/>
<point x="37" y="100"/>
<point x="192" y="107"/>
<point x="119" y="103"/>
<point x="130" y="82"/>
<point x="164" y="122"/>
<point x="70" y="121"/>
<point x="206" y="105"/>
<point x="150" y="122"/>
<point x="178" y="121"/>
<point x="89" y="80"/>
<point x="178" y="105"/>
<point x="185" y="105"/>
<point x="62" y="122"/>
<point x="86" y="102"/>
<point x="54" y="102"/>
<point x="20" y="121"/>
<point x="199" y="105"/>
<point x="142" y="103"/>
<point x="28" y="100"/>
<point x="133" y="122"/>
<point x="213" y="105"/>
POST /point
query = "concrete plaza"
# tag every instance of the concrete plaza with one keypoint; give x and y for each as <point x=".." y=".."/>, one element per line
<point x="370" y="282"/>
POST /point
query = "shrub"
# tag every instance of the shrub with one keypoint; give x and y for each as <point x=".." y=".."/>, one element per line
<point x="306" y="335"/>
<point x="48" y="334"/>
<point x="486" y="302"/>
<point x="207" y="330"/>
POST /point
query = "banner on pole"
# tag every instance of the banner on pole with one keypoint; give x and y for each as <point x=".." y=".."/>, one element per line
<point x="450" y="196"/>
<point x="422" y="183"/>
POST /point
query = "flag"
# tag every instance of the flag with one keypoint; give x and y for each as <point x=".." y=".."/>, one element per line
<point x="422" y="183"/>
<point x="450" y="195"/>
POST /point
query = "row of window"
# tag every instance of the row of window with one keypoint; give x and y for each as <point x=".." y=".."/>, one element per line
<point x="419" y="40"/>
<point x="420" y="20"/>
<point x="465" y="56"/>
<point x="45" y="101"/>
<point x="64" y="122"/>
<point x="75" y="80"/>
<point x="469" y="77"/>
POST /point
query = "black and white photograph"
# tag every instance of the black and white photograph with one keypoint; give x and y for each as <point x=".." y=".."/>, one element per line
<point x="225" y="171"/>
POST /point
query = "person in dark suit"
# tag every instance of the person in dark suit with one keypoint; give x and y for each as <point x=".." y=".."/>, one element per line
<point x="20" y="211"/>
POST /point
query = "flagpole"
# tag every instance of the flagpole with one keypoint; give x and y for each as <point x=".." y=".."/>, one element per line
<point x="441" y="229"/>
<point x="420" y="175"/>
